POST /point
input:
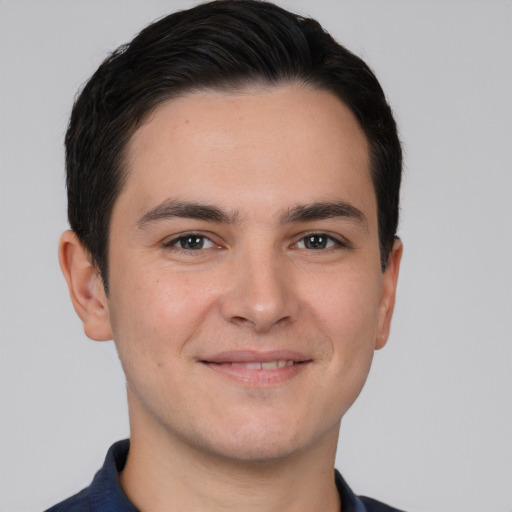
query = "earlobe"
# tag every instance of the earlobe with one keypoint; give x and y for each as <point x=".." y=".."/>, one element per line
<point x="85" y="287"/>
<point x="387" y="301"/>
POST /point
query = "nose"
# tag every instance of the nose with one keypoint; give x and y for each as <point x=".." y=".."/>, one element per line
<point x="260" y="292"/>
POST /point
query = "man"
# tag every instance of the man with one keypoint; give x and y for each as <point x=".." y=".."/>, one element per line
<point x="233" y="179"/>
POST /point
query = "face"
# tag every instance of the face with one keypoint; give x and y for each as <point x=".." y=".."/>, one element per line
<point x="246" y="297"/>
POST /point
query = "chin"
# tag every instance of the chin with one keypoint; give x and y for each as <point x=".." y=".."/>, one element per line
<point x="264" y="443"/>
<point x="260" y="453"/>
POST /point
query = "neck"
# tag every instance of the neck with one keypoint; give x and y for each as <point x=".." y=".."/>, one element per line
<point x="164" y="472"/>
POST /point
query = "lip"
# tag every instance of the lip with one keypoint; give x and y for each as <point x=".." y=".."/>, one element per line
<point x="254" y="356"/>
<point x="230" y="365"/>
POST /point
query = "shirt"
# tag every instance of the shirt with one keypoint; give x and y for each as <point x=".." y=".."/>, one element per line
<point x="105" y="492"/>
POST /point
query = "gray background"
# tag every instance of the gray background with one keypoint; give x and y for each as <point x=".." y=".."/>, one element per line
<point x="432" y="431"/>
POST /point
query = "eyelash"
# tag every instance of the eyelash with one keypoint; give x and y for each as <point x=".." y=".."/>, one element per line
<point x="336" y="242"/>
<point x="331" y="242"/>
<point x="172" y="244"/>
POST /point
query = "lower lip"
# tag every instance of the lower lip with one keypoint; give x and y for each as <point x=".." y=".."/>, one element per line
<point x="258" y="378"/>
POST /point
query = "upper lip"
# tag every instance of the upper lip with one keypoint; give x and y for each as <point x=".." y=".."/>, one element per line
<point x="254" y="356"/>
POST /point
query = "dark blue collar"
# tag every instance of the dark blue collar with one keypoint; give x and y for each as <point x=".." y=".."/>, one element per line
<point x="105" y="492"/>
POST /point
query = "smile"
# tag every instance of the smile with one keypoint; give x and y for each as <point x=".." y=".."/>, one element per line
<point x="267" y="365"/>
<point x="257" y="369"/>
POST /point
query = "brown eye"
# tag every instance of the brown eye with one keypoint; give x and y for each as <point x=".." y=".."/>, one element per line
<point x="321" y="241"/>
<point x="192" y="242"/>
<point x="316" y="241"/>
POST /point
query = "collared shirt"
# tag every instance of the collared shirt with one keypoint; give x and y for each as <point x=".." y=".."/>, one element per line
<point x="106" y="495"/>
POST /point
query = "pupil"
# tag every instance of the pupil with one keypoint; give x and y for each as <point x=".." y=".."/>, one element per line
<point x="316" y="242"/>
<point x="192" y="242"/>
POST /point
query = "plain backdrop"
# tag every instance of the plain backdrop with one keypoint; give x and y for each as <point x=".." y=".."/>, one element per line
<point x="432" y="431"/>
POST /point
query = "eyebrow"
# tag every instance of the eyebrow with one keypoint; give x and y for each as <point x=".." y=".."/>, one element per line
<point x="189" y="210"/>
<point x="324" y="210"/>
<point x="300" y="213"/>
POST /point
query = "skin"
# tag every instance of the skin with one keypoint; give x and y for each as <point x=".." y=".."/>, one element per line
<point x="254" y="283"/>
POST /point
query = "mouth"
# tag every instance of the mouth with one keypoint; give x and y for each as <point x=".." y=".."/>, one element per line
<point x="258" y="369"/>
<point x="267" y="365"/>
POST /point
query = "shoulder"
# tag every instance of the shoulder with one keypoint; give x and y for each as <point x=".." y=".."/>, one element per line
<point x="372" y="505"/>
<point x="352" y="503"/>
<point x="78" y="503"/>
<point x="105" y="492"/>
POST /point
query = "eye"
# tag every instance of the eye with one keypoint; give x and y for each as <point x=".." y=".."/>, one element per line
<point x="318" y="241"/>
<point x="190" y="242"/>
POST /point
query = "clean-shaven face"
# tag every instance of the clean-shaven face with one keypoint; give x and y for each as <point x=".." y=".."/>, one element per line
<point x="246" y="295"/>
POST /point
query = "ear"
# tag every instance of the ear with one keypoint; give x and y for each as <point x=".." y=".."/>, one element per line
<point x="85" y="287"/>
<point x="387" y="300"/>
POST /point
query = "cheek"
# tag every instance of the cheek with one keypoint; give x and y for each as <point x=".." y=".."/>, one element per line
<point x="348" y="303"/>
<point x="346" y="311"/>
<point x="156" y="312"/>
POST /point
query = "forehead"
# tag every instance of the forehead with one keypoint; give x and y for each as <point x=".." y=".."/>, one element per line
<point x="287" y="143"/>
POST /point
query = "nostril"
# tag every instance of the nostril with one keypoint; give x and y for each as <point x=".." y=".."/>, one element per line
<point x="240" y="320"/>
<point x="259" y="325"/>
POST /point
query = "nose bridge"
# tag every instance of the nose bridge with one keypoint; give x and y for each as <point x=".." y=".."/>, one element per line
<point x="260" y="291"/>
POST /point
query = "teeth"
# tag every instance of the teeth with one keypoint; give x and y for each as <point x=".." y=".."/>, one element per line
<point x="253" y="366"/>
<point x="269" y="365"/>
